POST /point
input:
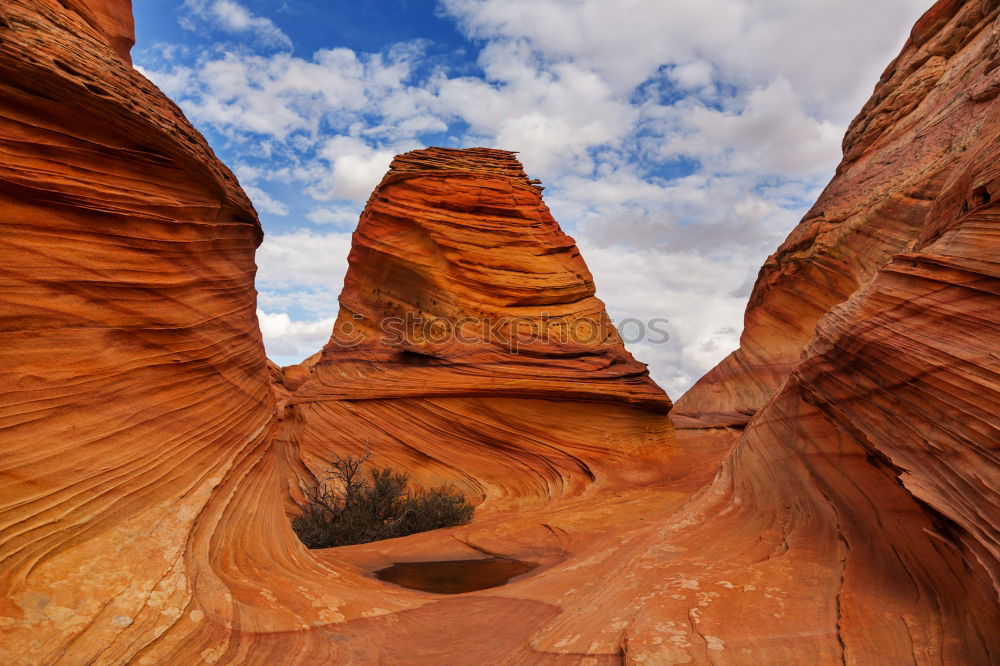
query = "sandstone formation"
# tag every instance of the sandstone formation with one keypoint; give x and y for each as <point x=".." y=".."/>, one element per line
<point x="133" y="386"/>
<point x="462" y="284"/>
<point x="873" y="448"/>
<point x="466" y="310"/>
<point x="930" y="106"/>
<point x="830" y="496"/>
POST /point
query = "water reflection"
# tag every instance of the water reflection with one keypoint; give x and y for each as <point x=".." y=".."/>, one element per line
<point x="454" y="576"/>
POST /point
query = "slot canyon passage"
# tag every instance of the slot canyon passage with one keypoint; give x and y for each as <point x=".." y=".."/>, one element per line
<point x="826" y="494"/>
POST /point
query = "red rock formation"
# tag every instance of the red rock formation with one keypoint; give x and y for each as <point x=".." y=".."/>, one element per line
<point x="112" y="19"/>
<point x="863" y="497"/>
<point x="931" y="103"/>
<point x="462" y="284"/>
<point x="141" y="500"/>
<point x="133" y="385"/>
<point x="870" y="476"/>
<point x="148" y="467"/>
<point x="466" y="310"/>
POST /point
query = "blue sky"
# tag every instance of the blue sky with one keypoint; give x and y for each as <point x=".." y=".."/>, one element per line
<point x="679" y="141"/>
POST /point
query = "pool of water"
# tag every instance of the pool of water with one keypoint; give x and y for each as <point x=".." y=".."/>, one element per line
<point x="454" y="576"/>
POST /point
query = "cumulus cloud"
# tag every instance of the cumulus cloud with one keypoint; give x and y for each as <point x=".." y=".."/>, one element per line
<point x="679" y="141"/>
<point x="263" y="201"/>
<point x="686" y="289"/>
<point x="290" y="341"/>
<point x="299" y="278"/>
<point x="354" y="168"/>
<point x="346" y="216"/>
<point x="772" y="134"/>
<point x="830" y="50"/>
<point x="233" y="17"/>
<point x="303" y="258"/>
<point x="275" y="95"/>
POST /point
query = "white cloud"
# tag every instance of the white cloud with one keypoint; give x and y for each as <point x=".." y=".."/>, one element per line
<point x="625" y="42"/>
<point x="684" y="288"/>
<point x="830" y="50"/>
<point x="696" y="75"/>
<point x="289" y="341"/>
<point x="233" y="17"/>
<point x="346" y="216"/>
<point x="174" y="82"/>
<point x="771" y="134"/>
<point x="303" y="258"/>
<point x="263" y="201"/>
<point x="276" y="95"/>
<point x="299" y="277"/>
<point x="552" y="115"/>
<point x="355" y="168"/>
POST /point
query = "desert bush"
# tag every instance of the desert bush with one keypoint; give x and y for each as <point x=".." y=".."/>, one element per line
<point x="353" y="506"/>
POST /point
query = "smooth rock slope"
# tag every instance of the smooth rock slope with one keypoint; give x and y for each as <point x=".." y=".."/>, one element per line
<point x="133" y="385"/>
<point x="829" y="496"/>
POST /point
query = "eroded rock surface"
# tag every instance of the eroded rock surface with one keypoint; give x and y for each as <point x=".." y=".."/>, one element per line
<point x="133" y="386"/>
<point x="930" y="107"/>
<point x="468" y="320"/>
<point x="462" y="284"/>
<point x="150" y="455"/>
<point x="873" y="451"/>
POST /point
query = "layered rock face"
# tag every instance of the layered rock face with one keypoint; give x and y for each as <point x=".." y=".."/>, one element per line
<point x="111" y="19"/>
<point x="145" y="465"/>
<point x="462" y="284"/>
<point x="930" y="106"/>
<point x="133" y="384"/>
<point x="150" y="455"/>
<point x="466" y="310"/>
<point x="873" y="451"/>
<point x="901" y="385"/>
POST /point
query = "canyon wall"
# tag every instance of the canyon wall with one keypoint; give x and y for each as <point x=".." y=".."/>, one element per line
<point x="867" y="378"/>
<point x="133" y="384"/>
<point x="929" y="107"/>
<point x="830" y="494"/>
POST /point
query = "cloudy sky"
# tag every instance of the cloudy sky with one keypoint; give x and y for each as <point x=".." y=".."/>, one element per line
<point x="679" y="140"/>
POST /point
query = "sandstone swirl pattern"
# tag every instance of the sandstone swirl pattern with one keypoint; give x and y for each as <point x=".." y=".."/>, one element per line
<point x="133" y="382"/>
<point x="931" y="104"/>
<point x="468" y="318"/>
<point x="150" y="456"/>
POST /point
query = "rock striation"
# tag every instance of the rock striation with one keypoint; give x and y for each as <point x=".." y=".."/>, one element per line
<point x="871" y="436"/>
<point x="462" y="284"/>
<point x="133" y="385"/>
<point x="467" y="318"/>
<point x="830" y="494"/>
<point x="930" y="106"/>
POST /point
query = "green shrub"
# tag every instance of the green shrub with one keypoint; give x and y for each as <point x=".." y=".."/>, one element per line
<point x="354" y="507"/>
